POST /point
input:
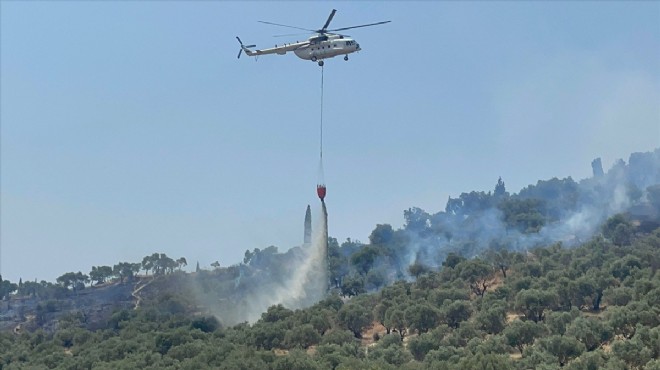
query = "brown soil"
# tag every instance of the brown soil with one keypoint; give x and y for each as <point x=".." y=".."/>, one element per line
<point x="496" y="282"/>
<point x="368" y="334"/>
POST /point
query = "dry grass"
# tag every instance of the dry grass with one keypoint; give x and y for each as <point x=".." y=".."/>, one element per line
<point x="368" y="334"/>
<point x="598" y="314"/>
<point x="407" y="339"/>
<point x="497" y="281"/>
<point x="511" y="316"/>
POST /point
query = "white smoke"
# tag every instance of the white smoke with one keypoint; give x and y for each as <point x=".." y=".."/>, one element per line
<point x="301" y="282"/>
<point x="600" y="198"/>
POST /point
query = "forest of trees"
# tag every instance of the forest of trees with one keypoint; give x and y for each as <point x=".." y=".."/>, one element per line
<point x="487" y="283"/>
<point x="595" y="306"/>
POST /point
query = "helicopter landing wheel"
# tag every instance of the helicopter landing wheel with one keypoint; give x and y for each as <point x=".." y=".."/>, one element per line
<point x="313" y="59"/>
<point x="321" y="63"/>
<point x="346" y="57"/>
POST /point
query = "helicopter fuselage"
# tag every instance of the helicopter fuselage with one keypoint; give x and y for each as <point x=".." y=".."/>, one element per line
<point x="316" y="48"/>
<point x="323" y="49"/>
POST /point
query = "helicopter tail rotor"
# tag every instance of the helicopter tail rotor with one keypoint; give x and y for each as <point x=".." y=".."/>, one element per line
<point x="244" y="47"/>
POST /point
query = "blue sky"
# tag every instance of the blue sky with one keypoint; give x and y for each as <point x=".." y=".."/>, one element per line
<point x="129" y="128"/>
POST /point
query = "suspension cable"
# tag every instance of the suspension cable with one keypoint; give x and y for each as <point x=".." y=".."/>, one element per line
<point x="321" y="112"/>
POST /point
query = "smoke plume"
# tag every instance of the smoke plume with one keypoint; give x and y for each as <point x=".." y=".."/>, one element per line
<point x="573" y="212"/>
<point x="294" y="279"/>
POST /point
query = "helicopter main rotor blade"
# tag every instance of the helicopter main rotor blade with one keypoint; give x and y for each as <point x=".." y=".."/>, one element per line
<point x="284" y="25"/>
<point x="327" y="23"/>
<point x="364" y="25"/>
<point x="293" y="34"/>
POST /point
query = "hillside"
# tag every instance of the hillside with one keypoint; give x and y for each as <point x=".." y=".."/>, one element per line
<point x="592" y="306"/>
<point x="562" y="274"/>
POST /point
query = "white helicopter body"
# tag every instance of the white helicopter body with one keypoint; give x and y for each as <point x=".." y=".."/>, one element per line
<point x="323" y="45"/>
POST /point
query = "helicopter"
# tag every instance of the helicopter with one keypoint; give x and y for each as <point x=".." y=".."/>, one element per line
<point x="323" y="44"/>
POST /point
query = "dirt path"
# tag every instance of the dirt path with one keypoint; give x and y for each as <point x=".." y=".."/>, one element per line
<point x="137" y="290"/>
